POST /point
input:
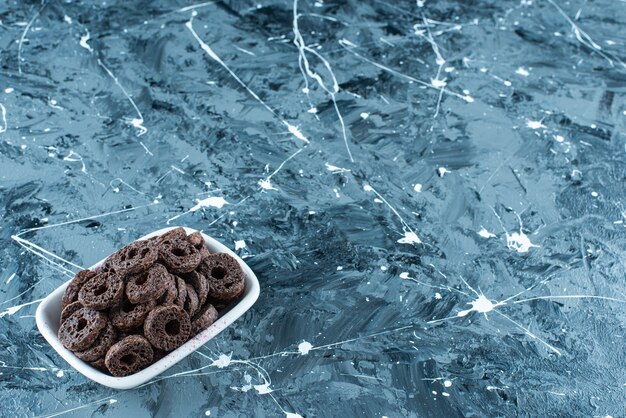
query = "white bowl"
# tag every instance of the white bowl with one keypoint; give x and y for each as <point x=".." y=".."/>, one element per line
<point x="49" y="314"/>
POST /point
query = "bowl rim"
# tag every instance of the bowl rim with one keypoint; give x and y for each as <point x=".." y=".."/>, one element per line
<point x="49" y="331"/>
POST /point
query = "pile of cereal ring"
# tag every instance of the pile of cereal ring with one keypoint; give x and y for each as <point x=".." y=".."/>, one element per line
<point x="146" y="300"/>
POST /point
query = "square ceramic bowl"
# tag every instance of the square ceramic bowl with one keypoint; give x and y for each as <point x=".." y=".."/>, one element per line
<point x="49" y="314"/>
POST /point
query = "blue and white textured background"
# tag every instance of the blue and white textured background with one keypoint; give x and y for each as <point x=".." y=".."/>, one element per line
<point x="431" y="193"/>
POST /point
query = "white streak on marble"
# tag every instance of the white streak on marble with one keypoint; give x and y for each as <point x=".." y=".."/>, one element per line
<point x="3" y="114"/>
<point x="410" y="237"/>
<point x="87" y="405"/>
<point x="607" y="298"/>
<point x="83" y="219"/>
<point x="146" y="149"/>
<point x="335" y="169"/>
<point x="584" y="38"/>
<point x="13" y="309"/>
<point x="29" y="245"/>
<point x="306" y="70"/>
<point x="136" y="122"/>
<point x="23" y="37"/>
<point x="75" y="157"/>
<point x="206" y="48"/>
<point x="530" y="333"/>
<point x="265" y="183"/>
<point x="11" y="277"/>
<point x="195" y="6"/>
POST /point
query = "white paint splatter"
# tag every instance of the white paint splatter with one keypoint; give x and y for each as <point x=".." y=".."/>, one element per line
<point x="365" y="115"/>
<point x="60" y="373"/>
<point x="410" y="237"/>
<point x="417" y="188"/>
<point x="559" y="138"/>
<point x="438" y="83"/>
<point x="594" y="194"/>
<point x="83" y="42"/>
<point x="437" y="295"/>
<point x="207" y="413"/>
<point x="304" y="348"/>
<point x="67" y="19"/>
<point x="222" y="361"/>
<point x="534" y="124"/>
<point x="335" y="169"/>
<point x="240" y="244"/>
<point x="404" y="275"/>
<point x="442" y="171"/>
<point x="486" y="234"/>
<point x="263" y="389"/>
<point x="339" y="268"/>
<point x="266" y="184"/>
<point x="447" y="383"/>
<point x="213" y="201"/>
<point x="9" y="90"/>
<point x="11" y="277"/>
<point x="519" y="242"/>
<point x="383" y="268"/>
<point x="522" y="71"/>
<point x="481" y="304"/>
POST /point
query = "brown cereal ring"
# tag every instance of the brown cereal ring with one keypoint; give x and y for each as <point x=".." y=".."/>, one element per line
<point x="81" y="328"/>
<point x="102" y="291"/>
<point x="134" y="258"/>
<point x="127" y="316"/>
<point x="171" y="292"/>
<point x="71" y="291"/>
<point x="200" y="283"/>
<point x="148" y="285"/>
<point x="203" y="319"/>
<point x="197" y="241"/>
<point x="167" y="327"/>
<point x="191" y="303"/>
<point x="100" y="347"/>
<point x="226" y="278"/>
<point x="175" y="234"/>
<point x="69" y="310"/>
<point x="158" y="354"/>
<point x="181" y="288"/>
<point x="99" y="364"/>
<point x="128" y="356"/>
<point x="179" y="256"/>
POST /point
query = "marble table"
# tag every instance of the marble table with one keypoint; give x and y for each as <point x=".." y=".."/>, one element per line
<point x="432" y="194"/>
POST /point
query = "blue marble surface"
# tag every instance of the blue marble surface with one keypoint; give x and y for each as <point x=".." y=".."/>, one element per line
<point x="431" y="193"/>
